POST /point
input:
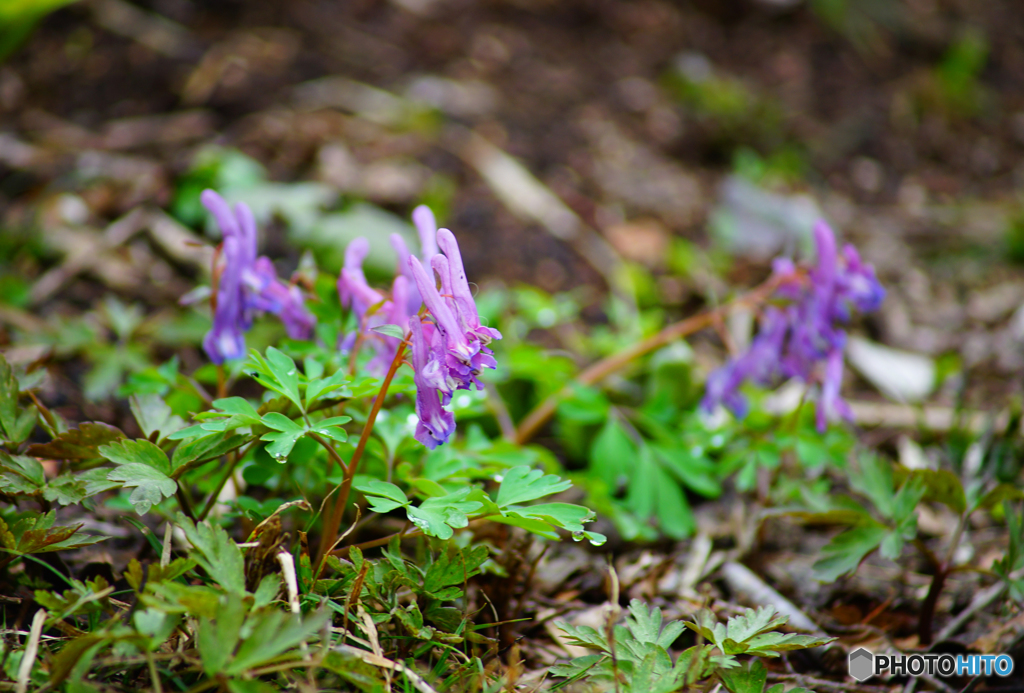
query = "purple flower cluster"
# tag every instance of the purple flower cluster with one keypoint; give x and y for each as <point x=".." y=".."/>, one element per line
<point x="371" y="307"/>
<point x="448" y="343"/>
<point x="247" y="284"/>
<point x="802" y="336"/>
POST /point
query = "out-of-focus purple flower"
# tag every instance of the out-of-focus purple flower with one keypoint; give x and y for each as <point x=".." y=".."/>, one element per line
<point x="247" y="284"/>
<point x="370" y="306"/>
<point x="803" y="337"/>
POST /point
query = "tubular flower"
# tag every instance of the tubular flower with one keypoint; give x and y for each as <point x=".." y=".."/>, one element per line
<point x="436" y="424"/>
<point x="448" y="343"/>
<point x="247" y="284"/>
<point x="426" y="227"/>
<point x="371" y="307"/>
<point x="803" y="337"/>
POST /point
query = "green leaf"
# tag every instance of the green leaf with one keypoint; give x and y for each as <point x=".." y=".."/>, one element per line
<point x="646" y="625"/>
<point x="743" y="627"/>
<point x="437" y="517"/>
<point x="322" y="388"/>
<point x="272" y="633"/>
<point x="643" y="484"/>
<point x="154" y="415"/>
<point x="874" y="479"/>
<point x="941" y="486"/>
<point x="20" y="470"/>
<point x="532" y="525"/>
<point x="235" y="412"/>
<point x="25" y="424"/>
<point x="8" y="398"/>
<point x="383" y="496"/>
<point x="216" y="553"/>
<point x="845" y="552"/>
<point x="78" y="444"/>
<point x="586" y="405"/>
<point x="565" y="515"/>
<point x="390" y="331"/>
<point x="137" y="452"/>
<point x="748" y="679"/>
<point x="279" y="373"/>
<point x="696" y="473"/>
<point x="454" y="568"/>
<point x="283" y="438"/>
<point x="1002" y="492"/>
<point x="195" y="452"/>
<point x="151" y="485"/>
<point x="216" y="639"/>
<point x="771" y="644"/>
<point x="331" y="428"/>
<point x="611" y="453"/>
<point x="522" y="484"/>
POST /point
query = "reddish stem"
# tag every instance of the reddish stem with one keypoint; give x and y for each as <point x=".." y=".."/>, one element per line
<point x="333" y="520"/>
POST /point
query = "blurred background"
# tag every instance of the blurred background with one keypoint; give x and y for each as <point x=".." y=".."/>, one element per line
<point x="662" y="150"/>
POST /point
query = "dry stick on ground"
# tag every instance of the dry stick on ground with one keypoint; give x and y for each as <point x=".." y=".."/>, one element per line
<point x="333" y="521"/>
<point x="540" y="415"/>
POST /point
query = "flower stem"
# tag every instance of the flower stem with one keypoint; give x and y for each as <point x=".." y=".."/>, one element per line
<point x="333" y="520"/>
<point x="540" y="415"/>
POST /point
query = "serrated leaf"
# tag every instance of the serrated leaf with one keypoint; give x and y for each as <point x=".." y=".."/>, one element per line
<point x="454" y="569"/>
<point x="751" y="622"/>
<point x="771" y="644"/>
<point x="216" y="639"/>
<point x="271" y="634"/>
<point x="151" y="486"/>
<point x="216" y="553"/>
<point x="154" y="415"/>
<point x="747" y="679"/>
<point x="137" y="452"/>
<point x="22" y="467"/>
<point x="521" y="484"/>
<point x="845" y="552"/>
<point x="78" y="444"/>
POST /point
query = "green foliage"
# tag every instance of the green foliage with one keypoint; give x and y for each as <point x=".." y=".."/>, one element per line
<point x="637" y="654"/>
<point x="19" y="17"/>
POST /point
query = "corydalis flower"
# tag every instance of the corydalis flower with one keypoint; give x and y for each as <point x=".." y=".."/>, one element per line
<point x="370" y="306"/>
<point x="450" y="351"/>
<point x="246" y="284"/>
<point x="802" y="337"/>
<point x="435" y="424"/>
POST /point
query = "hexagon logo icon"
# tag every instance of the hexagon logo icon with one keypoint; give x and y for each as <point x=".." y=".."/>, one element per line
<point x="862" y="664"/>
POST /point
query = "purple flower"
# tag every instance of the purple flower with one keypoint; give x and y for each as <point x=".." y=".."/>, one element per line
<point x="436" y="424"/>
<point x="449" y="343"/>
<point x="426" y="227"/>
<point x="803" y="338"/>
<point x="247" y="284"/>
